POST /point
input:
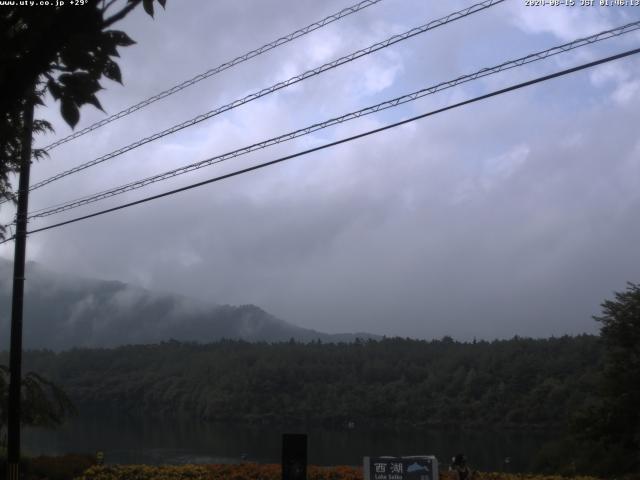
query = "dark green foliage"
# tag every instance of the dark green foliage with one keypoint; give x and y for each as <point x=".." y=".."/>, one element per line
<point x="65" y="51"/>
<point x="44" y="404"/>
<point x="64" y="467"/>
<point x="58" y="468"/>
<point x="519" y="382"/>
<point x="148" y="6"/>
<point x="112" y="71"/>
<point x="610" y="422"/>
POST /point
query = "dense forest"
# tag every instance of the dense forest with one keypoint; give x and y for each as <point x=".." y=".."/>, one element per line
<point x="517" y="382"/>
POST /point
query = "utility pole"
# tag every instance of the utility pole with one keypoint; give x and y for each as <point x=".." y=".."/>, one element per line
<point x="15" y="359"/>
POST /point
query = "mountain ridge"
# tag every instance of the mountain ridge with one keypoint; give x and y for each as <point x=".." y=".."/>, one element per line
<point x="63" y="311"/>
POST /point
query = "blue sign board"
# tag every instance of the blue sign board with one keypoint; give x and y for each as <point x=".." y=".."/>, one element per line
<point x="416" y="467"/>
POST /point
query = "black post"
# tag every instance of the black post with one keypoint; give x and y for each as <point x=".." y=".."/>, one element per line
<point x="294" y="456"/>
<point x="15" y="361"/>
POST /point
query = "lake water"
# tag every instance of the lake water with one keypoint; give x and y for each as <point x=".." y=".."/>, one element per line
<point x="153" y="441"/>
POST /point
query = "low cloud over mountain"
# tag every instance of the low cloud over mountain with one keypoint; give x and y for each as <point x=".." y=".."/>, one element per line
<point x="63" y="312"/>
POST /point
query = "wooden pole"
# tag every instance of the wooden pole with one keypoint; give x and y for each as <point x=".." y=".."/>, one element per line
<point x="15" y="359"/>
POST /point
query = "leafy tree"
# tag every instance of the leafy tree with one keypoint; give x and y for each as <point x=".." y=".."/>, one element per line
<point x="390" y="382"/>
<point x="64" y="51"/>
<point x="618" y="422"/>
<point x="605" y="431"/>
<point x="44" y="404"/>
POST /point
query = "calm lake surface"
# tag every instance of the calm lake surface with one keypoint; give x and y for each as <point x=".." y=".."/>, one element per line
<point x="153" y="441"/>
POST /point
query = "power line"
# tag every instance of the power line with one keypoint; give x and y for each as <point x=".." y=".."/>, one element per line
<point x="220" y="68"/>
<point x="278" y="86"/>
<point x="344" y="140"/>
<point x="533" y="57"/>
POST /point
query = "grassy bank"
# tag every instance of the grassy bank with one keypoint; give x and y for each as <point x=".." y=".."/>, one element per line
<point x="83" y="467"/>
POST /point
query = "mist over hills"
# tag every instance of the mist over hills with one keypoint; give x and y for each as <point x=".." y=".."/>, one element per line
<point x="64" y="311"/>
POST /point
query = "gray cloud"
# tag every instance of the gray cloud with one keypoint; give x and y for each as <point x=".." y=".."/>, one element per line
<point x="513" y="216"/>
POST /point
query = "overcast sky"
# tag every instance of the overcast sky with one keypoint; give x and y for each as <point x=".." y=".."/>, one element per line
<point x="517" y="215"/>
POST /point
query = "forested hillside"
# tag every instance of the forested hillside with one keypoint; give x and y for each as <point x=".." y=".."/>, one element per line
<point x="394" y="381"/>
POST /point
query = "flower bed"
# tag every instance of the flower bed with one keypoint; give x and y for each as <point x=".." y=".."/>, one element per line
<point x="252" y="471"/>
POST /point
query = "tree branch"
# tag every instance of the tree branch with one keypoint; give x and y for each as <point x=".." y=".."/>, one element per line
<point x="108" y="5"/>
<point x="121" y="14"/>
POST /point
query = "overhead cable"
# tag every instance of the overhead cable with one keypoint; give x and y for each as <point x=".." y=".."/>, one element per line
<point x="220" y="68"/>
<point x="533" y="57"/>
<point x="344" y="140"/>
<point x="278" y="86"/>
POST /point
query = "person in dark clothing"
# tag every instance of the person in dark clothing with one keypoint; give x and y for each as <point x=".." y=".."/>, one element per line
<point x="460" y="468"/>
